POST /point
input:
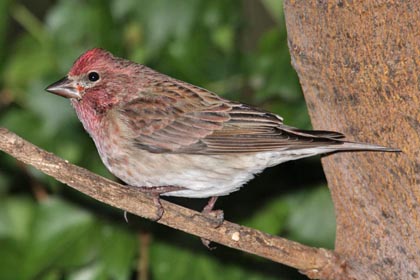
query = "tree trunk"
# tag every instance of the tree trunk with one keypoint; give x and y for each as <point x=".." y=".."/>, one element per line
<point x="358" y="63"/>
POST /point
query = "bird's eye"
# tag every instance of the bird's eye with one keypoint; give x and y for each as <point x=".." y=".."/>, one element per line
<point x="93" y="76"/>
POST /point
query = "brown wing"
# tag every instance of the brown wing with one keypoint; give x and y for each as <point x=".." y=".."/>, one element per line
<point x="176" y="117"/>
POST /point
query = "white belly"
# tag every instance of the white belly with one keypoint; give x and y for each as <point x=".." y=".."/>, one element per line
<point x="200" y="175"/>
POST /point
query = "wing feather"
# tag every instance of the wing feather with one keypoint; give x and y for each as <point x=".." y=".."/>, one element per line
<point x="176" y="117"/>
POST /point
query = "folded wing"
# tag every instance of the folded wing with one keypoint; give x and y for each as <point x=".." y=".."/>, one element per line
<point x="176" y="117"/>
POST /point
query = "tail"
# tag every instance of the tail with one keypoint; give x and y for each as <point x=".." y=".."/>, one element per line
<point x="356" y="146"/>
<point x="337" y="142"/>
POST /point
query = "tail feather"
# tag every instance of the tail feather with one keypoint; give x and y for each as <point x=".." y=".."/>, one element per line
<point x="357" y="146"/>
<point x="319" y="133"/>
<point x="337" y="140"/>
<point x="313" y="133"/>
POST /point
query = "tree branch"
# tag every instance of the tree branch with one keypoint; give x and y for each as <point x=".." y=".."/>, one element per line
<point x="316" y="263"/>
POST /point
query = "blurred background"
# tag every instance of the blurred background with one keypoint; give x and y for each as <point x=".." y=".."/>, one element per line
<point x="235" y="48"/>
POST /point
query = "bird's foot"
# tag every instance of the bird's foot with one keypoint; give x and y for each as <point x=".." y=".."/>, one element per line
<point x="156" y="192"/>
<point x="215" y="218"/>
<point x="159" y="208"/>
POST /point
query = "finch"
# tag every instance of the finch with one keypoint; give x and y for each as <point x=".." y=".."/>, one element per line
<point x="172" y="138"/>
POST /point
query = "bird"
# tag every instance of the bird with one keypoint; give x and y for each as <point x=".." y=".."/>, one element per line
<point x="171" y="138"/>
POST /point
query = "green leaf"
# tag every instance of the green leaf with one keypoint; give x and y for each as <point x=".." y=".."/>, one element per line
<point x="4" y="23"/>
<point x="88" y="272"/>
<point x="10" y="259"/>
<point x="28" y="62"/>
<point x="16" y="215"/>
<point x="117" y="250"/>
<point x="56" y="228"/>
<point x="59" y="114"/>
<point x="275" y="8"/>
<point x="169" y="262"/>
<point x="312" y="219"/>
<point x="23" y="122"/>
<point x="4" y="183"/>
<point x="271" y="218"/>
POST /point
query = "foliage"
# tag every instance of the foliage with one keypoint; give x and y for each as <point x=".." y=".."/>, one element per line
<point x="49" y="232"/>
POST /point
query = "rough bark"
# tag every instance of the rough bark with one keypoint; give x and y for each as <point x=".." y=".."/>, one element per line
<point x="358" y="63"/>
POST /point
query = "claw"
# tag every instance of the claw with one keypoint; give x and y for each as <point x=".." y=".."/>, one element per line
<point x="125" y="217"/>
<point x="159" y="207"/>
<point x="156" y="192"/>
<point x="206" y="243"/>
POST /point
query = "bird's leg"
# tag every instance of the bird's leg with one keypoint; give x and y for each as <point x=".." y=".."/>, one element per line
<point x="210" y="204"/>
<point x="156" y="192"/>
<point x="217" y="218"/>
<point x="218" y="214"/>
<point x="158" y="204"/>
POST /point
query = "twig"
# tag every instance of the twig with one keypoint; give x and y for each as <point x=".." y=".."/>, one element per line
<point x="144" y="251"/>
<point x="316" y="263"/>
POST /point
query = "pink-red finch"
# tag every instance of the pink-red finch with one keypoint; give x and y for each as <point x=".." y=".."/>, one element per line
<point x="173" y="138"/>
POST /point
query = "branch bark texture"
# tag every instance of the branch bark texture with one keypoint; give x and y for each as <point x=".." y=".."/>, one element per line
<point x="307" y="259"/>
<point x="358" y="63"/>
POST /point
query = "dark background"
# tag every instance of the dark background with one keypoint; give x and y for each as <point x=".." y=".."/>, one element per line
<point x="237" y="49"/>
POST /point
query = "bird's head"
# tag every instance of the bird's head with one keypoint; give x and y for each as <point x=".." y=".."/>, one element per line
<point x="92" y="72"/>
<point x="96" y="83"/>
<point x="89" y="73"/>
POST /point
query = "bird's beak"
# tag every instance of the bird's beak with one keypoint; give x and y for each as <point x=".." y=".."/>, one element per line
<point x="64" y="87"/>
